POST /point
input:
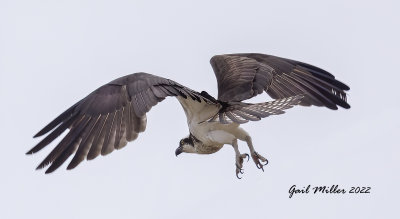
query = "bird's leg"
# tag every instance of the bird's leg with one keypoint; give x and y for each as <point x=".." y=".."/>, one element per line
<point x="239" y="158"/>
<point x="259" y="160"/>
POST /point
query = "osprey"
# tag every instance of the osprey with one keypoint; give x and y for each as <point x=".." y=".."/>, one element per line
<point x="115" y="113"/>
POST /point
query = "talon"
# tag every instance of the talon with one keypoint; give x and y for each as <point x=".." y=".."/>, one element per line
<point x="239" y="163"/>
<point x="260" y="166"/>
<point x="238" y="170"/>
<point x="259" y="160"/>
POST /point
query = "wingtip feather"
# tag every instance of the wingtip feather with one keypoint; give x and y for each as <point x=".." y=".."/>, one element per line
<point x="48" y="171"/>
<point x="37" y="135"/>
<point x="71" y="166"/>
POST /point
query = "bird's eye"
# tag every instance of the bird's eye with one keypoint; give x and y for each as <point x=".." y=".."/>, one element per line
<point x="182" y="141"/>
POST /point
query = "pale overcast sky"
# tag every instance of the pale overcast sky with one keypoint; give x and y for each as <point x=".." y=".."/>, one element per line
<point x="53" y="53"/>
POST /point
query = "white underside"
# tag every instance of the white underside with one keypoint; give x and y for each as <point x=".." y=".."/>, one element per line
<point x="212" y="134"/>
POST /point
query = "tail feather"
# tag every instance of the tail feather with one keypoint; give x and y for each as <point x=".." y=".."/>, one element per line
<point x="243" y="112"/>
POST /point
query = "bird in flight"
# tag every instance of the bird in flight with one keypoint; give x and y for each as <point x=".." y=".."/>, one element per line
<point x="115" y="113"/>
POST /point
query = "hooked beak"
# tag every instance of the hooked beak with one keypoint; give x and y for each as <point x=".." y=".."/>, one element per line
<point x="178" y="151"/>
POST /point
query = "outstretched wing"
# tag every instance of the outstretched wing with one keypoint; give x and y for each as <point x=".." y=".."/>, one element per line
<point x="107" y="118"/>
<point x="243" y="76"/>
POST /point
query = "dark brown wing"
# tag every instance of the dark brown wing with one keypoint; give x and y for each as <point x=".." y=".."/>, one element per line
<point x="243" y="76"/>
<point x="107" y="118"/>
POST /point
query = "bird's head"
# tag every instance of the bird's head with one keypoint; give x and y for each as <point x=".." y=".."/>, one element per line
<point x="185" y="145"/>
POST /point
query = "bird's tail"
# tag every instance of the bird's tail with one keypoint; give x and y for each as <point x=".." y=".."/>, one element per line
<point x="244" y="112"/>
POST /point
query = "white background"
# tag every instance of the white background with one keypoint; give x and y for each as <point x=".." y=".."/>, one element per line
<point x="53" y="53"/>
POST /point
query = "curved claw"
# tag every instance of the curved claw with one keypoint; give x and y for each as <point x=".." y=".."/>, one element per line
<point x="239" y="162"/>
<point x="260" y="161"/>
<point x="238" y="170"/>
<point x="260" y="166"/>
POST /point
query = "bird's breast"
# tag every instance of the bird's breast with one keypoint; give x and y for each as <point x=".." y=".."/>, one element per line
<point x="208" y="149"/>
<point x="211" y="133"/>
